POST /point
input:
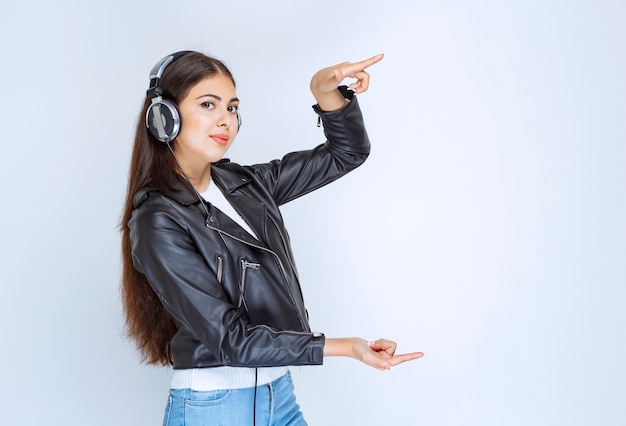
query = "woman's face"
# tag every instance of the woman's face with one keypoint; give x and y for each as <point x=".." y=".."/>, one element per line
<point x="208" y="121"/>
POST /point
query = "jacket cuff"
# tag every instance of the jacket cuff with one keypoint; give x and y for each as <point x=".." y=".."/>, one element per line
<point x="317" y="349"/>
<point x="345" y="92"/>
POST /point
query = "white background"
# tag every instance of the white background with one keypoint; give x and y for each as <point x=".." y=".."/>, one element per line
<point x="487" y="229"/>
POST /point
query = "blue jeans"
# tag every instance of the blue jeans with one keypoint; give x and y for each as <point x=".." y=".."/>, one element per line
<point x="275" y="406"/>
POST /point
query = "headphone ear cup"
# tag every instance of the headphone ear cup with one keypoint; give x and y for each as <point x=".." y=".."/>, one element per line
<point x="163" y="120"/>
<point x="238" y="121"/>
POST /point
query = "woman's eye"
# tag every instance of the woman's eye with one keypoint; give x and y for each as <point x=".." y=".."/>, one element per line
<point x="208" y="105"/>
<point x="233" y="109"/>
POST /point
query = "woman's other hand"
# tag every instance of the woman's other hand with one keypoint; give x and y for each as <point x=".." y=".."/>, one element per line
<point x="380" y="354"/>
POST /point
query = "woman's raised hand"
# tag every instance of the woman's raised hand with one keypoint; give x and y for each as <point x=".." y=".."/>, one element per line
<point x="325" y="82"/>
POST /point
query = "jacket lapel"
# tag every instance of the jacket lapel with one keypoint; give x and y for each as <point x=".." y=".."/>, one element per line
<point x="253" y="212"/>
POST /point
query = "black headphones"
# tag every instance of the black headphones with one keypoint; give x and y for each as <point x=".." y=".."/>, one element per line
<point x="162" y="117"/>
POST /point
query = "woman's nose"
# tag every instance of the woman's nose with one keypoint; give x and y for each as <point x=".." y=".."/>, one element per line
<point x="225" y="119"/>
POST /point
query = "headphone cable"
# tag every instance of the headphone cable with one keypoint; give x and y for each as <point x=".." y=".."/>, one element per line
<point x="256" y="372"/>
<point x="180" y="168"/>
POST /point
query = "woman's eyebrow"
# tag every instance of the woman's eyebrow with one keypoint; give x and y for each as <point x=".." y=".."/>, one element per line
<point x="210" y="95"/>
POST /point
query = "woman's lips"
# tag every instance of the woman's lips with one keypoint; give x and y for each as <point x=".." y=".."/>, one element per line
<point x="221" y="139"/>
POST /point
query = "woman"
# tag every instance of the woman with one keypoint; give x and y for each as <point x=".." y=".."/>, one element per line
<point x="209" y="283"/>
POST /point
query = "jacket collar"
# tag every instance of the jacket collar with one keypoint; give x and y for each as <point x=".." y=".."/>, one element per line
<point x="181" y="191"/>
<point x="227" y="179"/>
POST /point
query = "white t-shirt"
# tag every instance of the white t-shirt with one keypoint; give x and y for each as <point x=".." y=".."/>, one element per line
<point x="214" y="196"/>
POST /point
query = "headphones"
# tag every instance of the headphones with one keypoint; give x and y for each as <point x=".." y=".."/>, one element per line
<point x="162" y="117"/>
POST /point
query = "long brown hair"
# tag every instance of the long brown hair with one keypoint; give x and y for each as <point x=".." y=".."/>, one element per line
<point x="147" y="323"/>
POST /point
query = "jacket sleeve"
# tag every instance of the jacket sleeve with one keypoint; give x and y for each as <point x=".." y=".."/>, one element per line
<point x="347" y="146"/>
<point x="163" y="250"/>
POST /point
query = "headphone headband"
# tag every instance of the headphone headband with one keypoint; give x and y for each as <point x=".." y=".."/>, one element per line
<point x="157" y="72"/>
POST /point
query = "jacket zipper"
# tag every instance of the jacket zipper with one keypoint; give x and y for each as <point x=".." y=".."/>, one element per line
<point x="291" y="263"/>
<point x="300" y="333"/>
<point x="245" y="265"/>
<point x="282" y="238"/>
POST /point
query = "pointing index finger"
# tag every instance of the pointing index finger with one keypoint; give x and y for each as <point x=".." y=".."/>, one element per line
<point x="398" y="359"/>
<point x="369" y="62"/>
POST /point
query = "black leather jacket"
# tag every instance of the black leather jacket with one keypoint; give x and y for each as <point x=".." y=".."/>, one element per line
<point x="237" y="300"/>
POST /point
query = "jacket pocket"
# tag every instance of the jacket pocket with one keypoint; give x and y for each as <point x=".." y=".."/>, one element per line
<point x="220" y="269"/>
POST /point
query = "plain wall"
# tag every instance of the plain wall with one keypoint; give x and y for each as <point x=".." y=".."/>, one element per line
<point x="487" y="229"/>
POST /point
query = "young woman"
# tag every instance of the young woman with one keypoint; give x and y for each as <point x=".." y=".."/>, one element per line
<point x="209" y="282"/>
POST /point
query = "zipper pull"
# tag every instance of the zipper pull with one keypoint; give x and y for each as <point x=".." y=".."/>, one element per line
<point x="318" y="111"/>
<point x="245" y="264"/>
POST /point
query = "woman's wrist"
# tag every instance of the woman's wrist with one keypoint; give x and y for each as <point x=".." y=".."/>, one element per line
<point x="330" y="101"/>
<point x="344" y="346"/>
